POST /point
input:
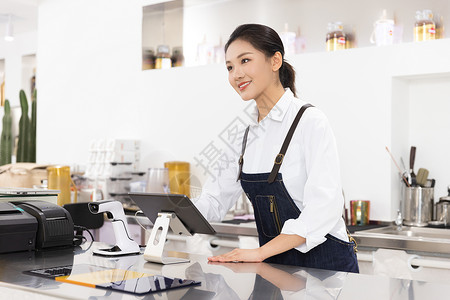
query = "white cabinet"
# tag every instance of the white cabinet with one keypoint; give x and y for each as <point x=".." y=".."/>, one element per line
<point x="403" y="265"/>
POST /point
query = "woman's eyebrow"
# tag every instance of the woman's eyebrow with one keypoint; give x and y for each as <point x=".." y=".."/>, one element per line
<point x="240" y="55"/>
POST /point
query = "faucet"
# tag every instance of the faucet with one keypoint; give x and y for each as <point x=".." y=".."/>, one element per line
<point x="399" y="220"/>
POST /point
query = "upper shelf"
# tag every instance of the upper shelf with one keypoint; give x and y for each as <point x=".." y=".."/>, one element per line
<point x="199" y="25"/>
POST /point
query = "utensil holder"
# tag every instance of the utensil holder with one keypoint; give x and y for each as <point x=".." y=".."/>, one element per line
<point x="417" y="205"/>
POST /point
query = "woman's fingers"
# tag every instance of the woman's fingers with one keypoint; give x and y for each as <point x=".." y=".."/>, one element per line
<point x="229" y="256"/>
<point x="237" y="255"/>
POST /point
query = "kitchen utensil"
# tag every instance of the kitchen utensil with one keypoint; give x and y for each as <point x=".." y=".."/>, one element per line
<point x="360" y="212"/>
<point x="179" y="177"/>
<point x="443" y="212"/>
<point x="430" y="183"/>
<point x="157" y="180"/>
<point x="422" y="176"/>
<point x="412" y="159"/>
<point x="443" y="209"/>
<point x="405" y="171"/>
<point x="398" y="168"/>
<point x="446" y="198"/>
<point x="59" y="179"/>
<point x="417" y="205"/>
<point x="436" y="224"/>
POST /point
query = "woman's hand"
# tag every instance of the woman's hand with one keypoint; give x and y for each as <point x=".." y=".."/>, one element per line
<point x="239" y="255"/>
<point x="279" y="244"/>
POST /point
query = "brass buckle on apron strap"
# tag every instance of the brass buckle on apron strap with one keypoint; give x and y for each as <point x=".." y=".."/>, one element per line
<point x="352" y="240"/>
<point x="279" y="159"/>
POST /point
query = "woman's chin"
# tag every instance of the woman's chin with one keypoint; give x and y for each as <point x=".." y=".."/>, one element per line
<point x="246" y="98"/>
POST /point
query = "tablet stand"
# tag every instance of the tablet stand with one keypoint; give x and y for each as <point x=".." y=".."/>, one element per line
<point x="155" y="245"/>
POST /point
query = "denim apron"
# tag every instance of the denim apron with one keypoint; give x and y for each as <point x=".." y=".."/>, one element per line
<point x="273" y="205"/>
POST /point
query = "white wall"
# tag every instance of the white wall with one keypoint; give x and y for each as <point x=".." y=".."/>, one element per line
<point x="429" y="108"/>
<point x="12" y="53"/>
<point x="88" y="75"/>
<point x="91" y="86"/>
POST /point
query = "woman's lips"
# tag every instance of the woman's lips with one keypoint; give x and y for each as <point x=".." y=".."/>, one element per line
<point x="243" y="85"/>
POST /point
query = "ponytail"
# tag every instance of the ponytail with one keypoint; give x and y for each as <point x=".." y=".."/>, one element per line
<point x="287" y="77"/>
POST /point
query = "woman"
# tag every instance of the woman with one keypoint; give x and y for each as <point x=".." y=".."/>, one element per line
<point x="297" y="198"/>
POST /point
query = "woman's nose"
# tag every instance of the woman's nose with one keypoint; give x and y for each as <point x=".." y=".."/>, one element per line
<point x="238" y="73"/>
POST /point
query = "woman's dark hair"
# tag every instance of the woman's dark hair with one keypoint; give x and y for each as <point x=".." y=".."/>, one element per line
<point x="266" y="40"/>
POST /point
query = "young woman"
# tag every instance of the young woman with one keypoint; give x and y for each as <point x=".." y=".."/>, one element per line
<point x="289" y="169"/>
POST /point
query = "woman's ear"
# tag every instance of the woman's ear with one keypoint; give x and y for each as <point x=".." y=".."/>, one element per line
<point x="277" y="61"/>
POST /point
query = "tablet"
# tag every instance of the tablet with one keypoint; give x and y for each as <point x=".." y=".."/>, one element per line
<point x="112" y="279"/>
<point x="151" y="204"/>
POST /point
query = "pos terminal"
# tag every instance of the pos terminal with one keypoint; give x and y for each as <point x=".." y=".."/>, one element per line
<point x="169" y="210"/>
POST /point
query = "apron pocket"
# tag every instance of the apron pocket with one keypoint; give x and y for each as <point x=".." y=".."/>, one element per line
<point x="330" y="237"/>
<point x="268" y="214"/>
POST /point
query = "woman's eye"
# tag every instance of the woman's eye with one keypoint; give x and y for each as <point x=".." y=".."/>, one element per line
<point x="245" y="60"/>
<point x="229" y="68"/>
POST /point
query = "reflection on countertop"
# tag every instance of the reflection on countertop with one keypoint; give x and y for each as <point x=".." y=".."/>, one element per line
<point x="218" y="280"/>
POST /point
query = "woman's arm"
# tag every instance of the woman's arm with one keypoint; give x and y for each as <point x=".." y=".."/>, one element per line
<point x="279" y="244"/>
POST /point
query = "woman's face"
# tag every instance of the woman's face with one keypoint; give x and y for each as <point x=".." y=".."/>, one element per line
<point x="250" y="72"/>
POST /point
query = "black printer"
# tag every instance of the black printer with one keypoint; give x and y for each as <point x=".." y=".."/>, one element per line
<point x="29" y="225"/>
<point x="17" y="229"/>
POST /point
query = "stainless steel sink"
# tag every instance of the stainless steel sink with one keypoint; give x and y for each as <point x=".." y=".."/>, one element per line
<point x="417" y="239"/>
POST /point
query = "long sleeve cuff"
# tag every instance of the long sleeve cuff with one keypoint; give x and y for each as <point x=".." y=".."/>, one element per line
<point x="298" y="227"/>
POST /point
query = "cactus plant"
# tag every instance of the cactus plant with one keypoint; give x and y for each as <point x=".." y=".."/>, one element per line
<point x="24" y="130"/>
<point x="32" y="148"/>
<point x="6" y="137"/>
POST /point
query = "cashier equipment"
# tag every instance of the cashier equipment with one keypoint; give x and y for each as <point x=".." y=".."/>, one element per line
<point x="124" y="243"/>
<point x="30" y="225"/>
<point x="17" y="229"/>
<point x="83" y="219"/>
<point x="169" y="210"/>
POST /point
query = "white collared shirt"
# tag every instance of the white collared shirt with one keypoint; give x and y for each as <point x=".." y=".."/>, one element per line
<point x="310" y="171"/>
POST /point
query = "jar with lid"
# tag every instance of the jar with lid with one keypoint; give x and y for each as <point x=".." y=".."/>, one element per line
<point x="336" y="38"/>
<point x="163" y="60"/>
<point x="424" y="28"/>
<point x="148" y="59"/>
<point x="177" y="57"/>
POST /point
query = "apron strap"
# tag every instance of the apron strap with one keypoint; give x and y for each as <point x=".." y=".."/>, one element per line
<point x="241" y="158"/>
<point x="279" y="158"/>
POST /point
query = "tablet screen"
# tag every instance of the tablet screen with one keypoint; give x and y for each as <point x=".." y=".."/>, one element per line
<point x="150" y="284"/>
<point x="152" y="204"/>
<point x="115" y="279"/>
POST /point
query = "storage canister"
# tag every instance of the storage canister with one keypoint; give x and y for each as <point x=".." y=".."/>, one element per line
<point x="179" y="177"/>
<point x="417" y="208"/>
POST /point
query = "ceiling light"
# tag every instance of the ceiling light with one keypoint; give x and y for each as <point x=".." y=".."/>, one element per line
<point x="9" y="30"/>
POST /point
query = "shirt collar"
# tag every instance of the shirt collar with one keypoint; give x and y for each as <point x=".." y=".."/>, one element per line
<point x="277" y="113"/>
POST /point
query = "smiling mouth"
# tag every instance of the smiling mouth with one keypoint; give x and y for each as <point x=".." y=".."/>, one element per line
<point x="243" y="85"/>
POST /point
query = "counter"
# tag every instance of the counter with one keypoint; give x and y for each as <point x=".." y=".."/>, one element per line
<point x="411" y="239"/>
<point x="218" y="281"/>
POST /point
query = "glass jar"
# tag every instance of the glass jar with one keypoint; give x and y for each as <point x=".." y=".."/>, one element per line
<point x="336" y="38"/>
<point x="163" y="60"/>
<point x="177" y="57"/>
<point x="148" y="59"/>
<point x="424" y="28"/>
<point x="179" y="177"/>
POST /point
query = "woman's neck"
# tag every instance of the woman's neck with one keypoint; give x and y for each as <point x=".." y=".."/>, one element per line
<point x="267" y="100"/>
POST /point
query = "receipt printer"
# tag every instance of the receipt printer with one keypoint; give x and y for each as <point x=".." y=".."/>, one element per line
<point x="17" y="229"/>
<point x="29" y="225"/>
